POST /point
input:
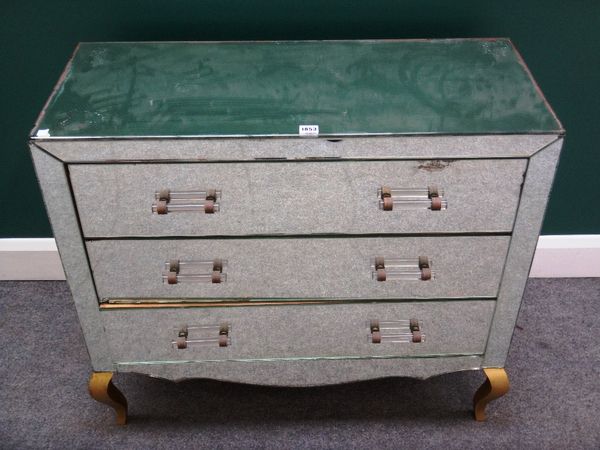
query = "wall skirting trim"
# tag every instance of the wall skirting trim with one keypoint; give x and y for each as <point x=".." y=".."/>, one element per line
<point x="568" y="255"/>
<point x="556" y="257"/>
<point x="30" y="259"/>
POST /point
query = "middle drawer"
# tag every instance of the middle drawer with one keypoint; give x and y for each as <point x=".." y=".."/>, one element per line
<point x="300" y="268"/>
<point x="296" y="198"/>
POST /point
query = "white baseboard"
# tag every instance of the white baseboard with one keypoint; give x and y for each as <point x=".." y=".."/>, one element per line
<point x="556" y="257"/>
<point x="30" y="259"/>
<point x="562" y="256"/>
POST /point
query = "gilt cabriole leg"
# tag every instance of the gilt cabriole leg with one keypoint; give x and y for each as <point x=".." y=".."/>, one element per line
<point x="103" y="390"/>
<point x="495" y="386"/>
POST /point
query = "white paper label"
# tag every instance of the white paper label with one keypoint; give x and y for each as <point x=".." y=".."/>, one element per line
<point x="308" y="130"/>
<point x="43" y="133"/>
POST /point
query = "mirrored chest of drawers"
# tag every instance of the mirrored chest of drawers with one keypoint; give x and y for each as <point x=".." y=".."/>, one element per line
<point x="296" y="213"/>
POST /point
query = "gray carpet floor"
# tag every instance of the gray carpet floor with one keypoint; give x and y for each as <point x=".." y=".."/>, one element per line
<point x="554" y="402"/>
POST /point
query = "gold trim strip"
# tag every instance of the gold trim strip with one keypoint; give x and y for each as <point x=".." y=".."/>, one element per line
<point x="161" y="303"/>
<point x="207" y="305"/>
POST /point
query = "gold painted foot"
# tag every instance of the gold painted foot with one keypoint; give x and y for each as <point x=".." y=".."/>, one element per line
<point x="103" y="390"/>
<point x="494" y="387"/>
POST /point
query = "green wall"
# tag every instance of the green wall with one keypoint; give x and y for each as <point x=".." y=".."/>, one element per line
<point x="560" y="40"/>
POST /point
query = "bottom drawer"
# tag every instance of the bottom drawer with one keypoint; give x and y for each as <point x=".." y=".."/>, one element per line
<point x="298" y="331"/>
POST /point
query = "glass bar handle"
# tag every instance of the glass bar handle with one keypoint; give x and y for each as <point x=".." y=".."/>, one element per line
<point x="167" y="194"/>
<point x="206" y="206"/>
<point x="190" y="271"/>
<point x="222" y="340"/>
<point x="176" y="278"/>
<point x="393" y="269"/>
<point x="434" y="204"/>
<point x="404" y="331"/>
<point x="175" y="265"/>
<point x="425" y="274"/>
<point x="167" y="201"/>
<point x="222" y="337"/>
<point x="431" y="198"/>
<point x="377" y="337"/>
<point x="409" y="192"/>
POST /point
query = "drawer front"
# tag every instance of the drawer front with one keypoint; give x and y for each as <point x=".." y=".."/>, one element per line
<point x="327" y="268"/>
<point x="297" y="197"/>
<point x="298" y="331"/>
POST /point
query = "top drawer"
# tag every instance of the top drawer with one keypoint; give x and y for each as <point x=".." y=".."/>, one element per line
<point x="270" y="198"/>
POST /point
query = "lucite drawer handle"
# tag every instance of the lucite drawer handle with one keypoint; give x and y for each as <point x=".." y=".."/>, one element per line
<point x="206" y="335"/>
<point x="167" y="201"/>
<point x="177" y="271"/>
<point x="396" y="331"/>
<point x="431" y="198"/>
<point x="399" y="269"/>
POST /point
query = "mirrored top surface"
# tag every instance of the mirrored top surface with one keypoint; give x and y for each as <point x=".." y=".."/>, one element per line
<point x="472" y="86"/>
